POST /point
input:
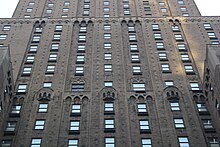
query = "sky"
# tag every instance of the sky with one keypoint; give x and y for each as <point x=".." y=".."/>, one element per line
<point x="207" y="8"/>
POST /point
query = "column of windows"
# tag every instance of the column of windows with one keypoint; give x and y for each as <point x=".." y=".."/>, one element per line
<point x="182" y="8"/>
<point x="65" y="9"/>
<point x="147" y="8"/>
<point x="80" y="56"/>
<point x="106" y="8"/>
<point x="86" y="7"/>
<point x="126" y="7"/>
<point x="211" y="33"/>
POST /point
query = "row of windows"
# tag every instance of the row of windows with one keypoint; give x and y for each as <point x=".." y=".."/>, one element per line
<point x="110" y="142"/>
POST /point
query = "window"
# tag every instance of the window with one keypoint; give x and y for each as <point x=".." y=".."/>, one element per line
<point x="207" y="123"/>
<point x="207" y="26"/>
<point x="27" y="70"/>
<point x="175" y="28"/>
<point x="16" y="109"/>
<point x="213" y="142"/>
<point x="42" y="108"/>
<point x="183" y="9"/>
<point x="107" y="27"/>
<point x="50" y="68"/>
<point x="131" y="29"/>
<point x="106" y="3"/>
<point x="142" y="108"/>
<point x="145" y="2"/>
<point x="155" y="27"/>
<point x="85" y="12"/>
<point x="160" y="45"/>
<point x="178" y="122"/>
<point x="82" y="37"/>
<point x="194" y="86"/>
<point x="52" y="57"/>
<point x="144" y="125"/>
<point x="109" y="142"/>
<point x="108" y="56"/>
<point x="162" y="56"/>
<point x="161" y="4"/>
<point x="138" y="86"/>
<point x="31" y="4"/>
<point x="106" y="15"/>
<point x="201" y="107"/>
<point x="109" y="124"/>
<point x="181" y="2"/>
<point x="106" y="9"/>
<point x="36" y="38"/>
<point x="30" y="59"/>
<point x="50" y="4"/>
<point x="81" y="47"/>
<point x="181" y="46"/>
<point x="185" y="14"/>
<point x="22" y="88"/>
<point x="74" y="125"/>
<point x="147" y="9"/>
<point x="66" y="3"/>
<point x="65" y="10"/>
<point x="126" y="12"/>
<point x="215" y="42"/>
<point x="6" y="143"/>
<point x="132" y="37"/>
<point x="188" y="68"/>
<point x="185" y="57"/>
<point x="76" y="108"/>
<point x="164" y="10"/>
<point x="54" y="47"/>
<point x="165" y="67"/>
<point x="135" y="58"/>
<point x="79" y="70"/>
<point x="136" y="69"/>
<point x="178" y="37"/>
<point x="73" y="143"/>
<point x="126" y="6"/>
<point x="58" y="28"/>
<point x="109" y="107"/>
<point x="49" y="11"/>
<point x="6" y="28"/>
<point x="107" y="67"/>
<point x="78" y="87"/>
<point x="175" y="106"/>
<point x="82" y="29"/>
<point x="183" y="141"/>
<point x="80" y="59"/>
<point x="157" y="36"/>
<point x="56" y="37"/>
<point x="64" y="15"/>
<point x="169" y="83"/>
<point x="146" y="142"/>
<point x="38" y="30"/>
<point x="211" y="35"/>
<point x="47" y="84"/>
<point x="36" y="142"/>
<point x="108" y="83"/>
<point x="27" y="16"/>
<point x="29" y="10"/>
<point x="107" y="36"/>
<point x="10" y="126"/>
<point x="133" y="47"/>
<point x="39" y="124"/>
<point x="86" y="6"/>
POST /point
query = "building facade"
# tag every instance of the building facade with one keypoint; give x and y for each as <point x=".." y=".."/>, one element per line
<point x="108" y="73"/>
